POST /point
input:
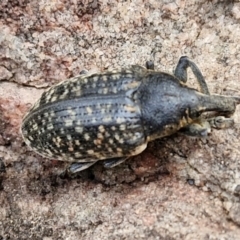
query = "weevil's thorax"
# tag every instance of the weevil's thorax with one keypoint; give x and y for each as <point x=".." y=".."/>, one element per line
<point x="165" y="104"/>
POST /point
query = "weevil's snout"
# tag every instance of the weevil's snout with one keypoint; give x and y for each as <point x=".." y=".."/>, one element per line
<point x="217" y="105"/>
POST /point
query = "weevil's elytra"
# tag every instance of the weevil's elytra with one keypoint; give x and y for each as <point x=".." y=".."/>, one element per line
<point x="103" y="120"/>
<point x="113" y="115"/>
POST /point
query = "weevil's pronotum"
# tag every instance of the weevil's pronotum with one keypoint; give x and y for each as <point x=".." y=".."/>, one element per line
<point x="112" y="116"/>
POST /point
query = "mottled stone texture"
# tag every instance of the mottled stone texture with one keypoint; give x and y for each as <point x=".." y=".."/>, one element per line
<point x="179" y="188"/>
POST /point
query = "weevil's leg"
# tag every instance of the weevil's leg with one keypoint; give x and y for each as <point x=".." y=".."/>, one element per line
<point x="221" y="122"/>
<point x="150" y="65"/>
<point x="202" y="127"/>
<point x="181" y="73"/>
<point x="77" y="166"/>
<point x="112" y="162"/>
<point x="199" y="128"/>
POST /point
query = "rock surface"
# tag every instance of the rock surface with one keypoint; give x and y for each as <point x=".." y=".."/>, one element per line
<point x="179" y="188"/>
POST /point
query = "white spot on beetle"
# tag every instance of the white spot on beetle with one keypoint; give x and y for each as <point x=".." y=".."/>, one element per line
<point x="68" y="122"/>
<point x="90" y="152"/>
<point x="74" y="88"/>
<point x="104" y="78"/>
<point x="93" y="120"/>
<point x="53" y="99"/>
<point x="100" y="136"/>
<point x="84" y="79"/>
<point x="130" y="108"/>
<point x="72" y="113"/>
<point x="69" y="137"/>
<point x="119" y="150"/>
<point x="86" y="136"/>
<point x="108" y="106"/>
<point x="116" y="76"/>
<point x="95" y="78"/>
<point x="121" y="140"/>
<point x="77" y="154"/>
<point x="64" y="94"/>
<point x="107" y="135"/>
<point x="78" y="122"/>
<point x="57" y="141"/>
<point x="101" y="128"/>
<point x="116" y="136"/>
<point x="51" y="92"/>
<point x="52" y="113"/>
<point x="105" y="90"/>
<point x="70" y="149"/>
<point x="79" y="129"/>
<point x="78" y="92"/>
<point x="30" y="138"/>
<point x="107" y="119"/>
<point x="50" y="126"/>
<point x="89" y="110"/>
<point x="132" y="84"/>
<point x="120" y="120"/>
<point x="114" y="90"/>
<point x="122" y="127"/>
<point x="97" y="141"/>
<point x="62" y="131"/>
<point x="103" y="111"/>
<point x="35" y="126"/>
<point x="48" y="151"/>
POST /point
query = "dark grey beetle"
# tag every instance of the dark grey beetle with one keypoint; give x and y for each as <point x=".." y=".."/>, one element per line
<point x="111" y="116"/>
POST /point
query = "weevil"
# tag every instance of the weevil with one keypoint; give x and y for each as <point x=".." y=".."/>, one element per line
<point x="112" y="116"/>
